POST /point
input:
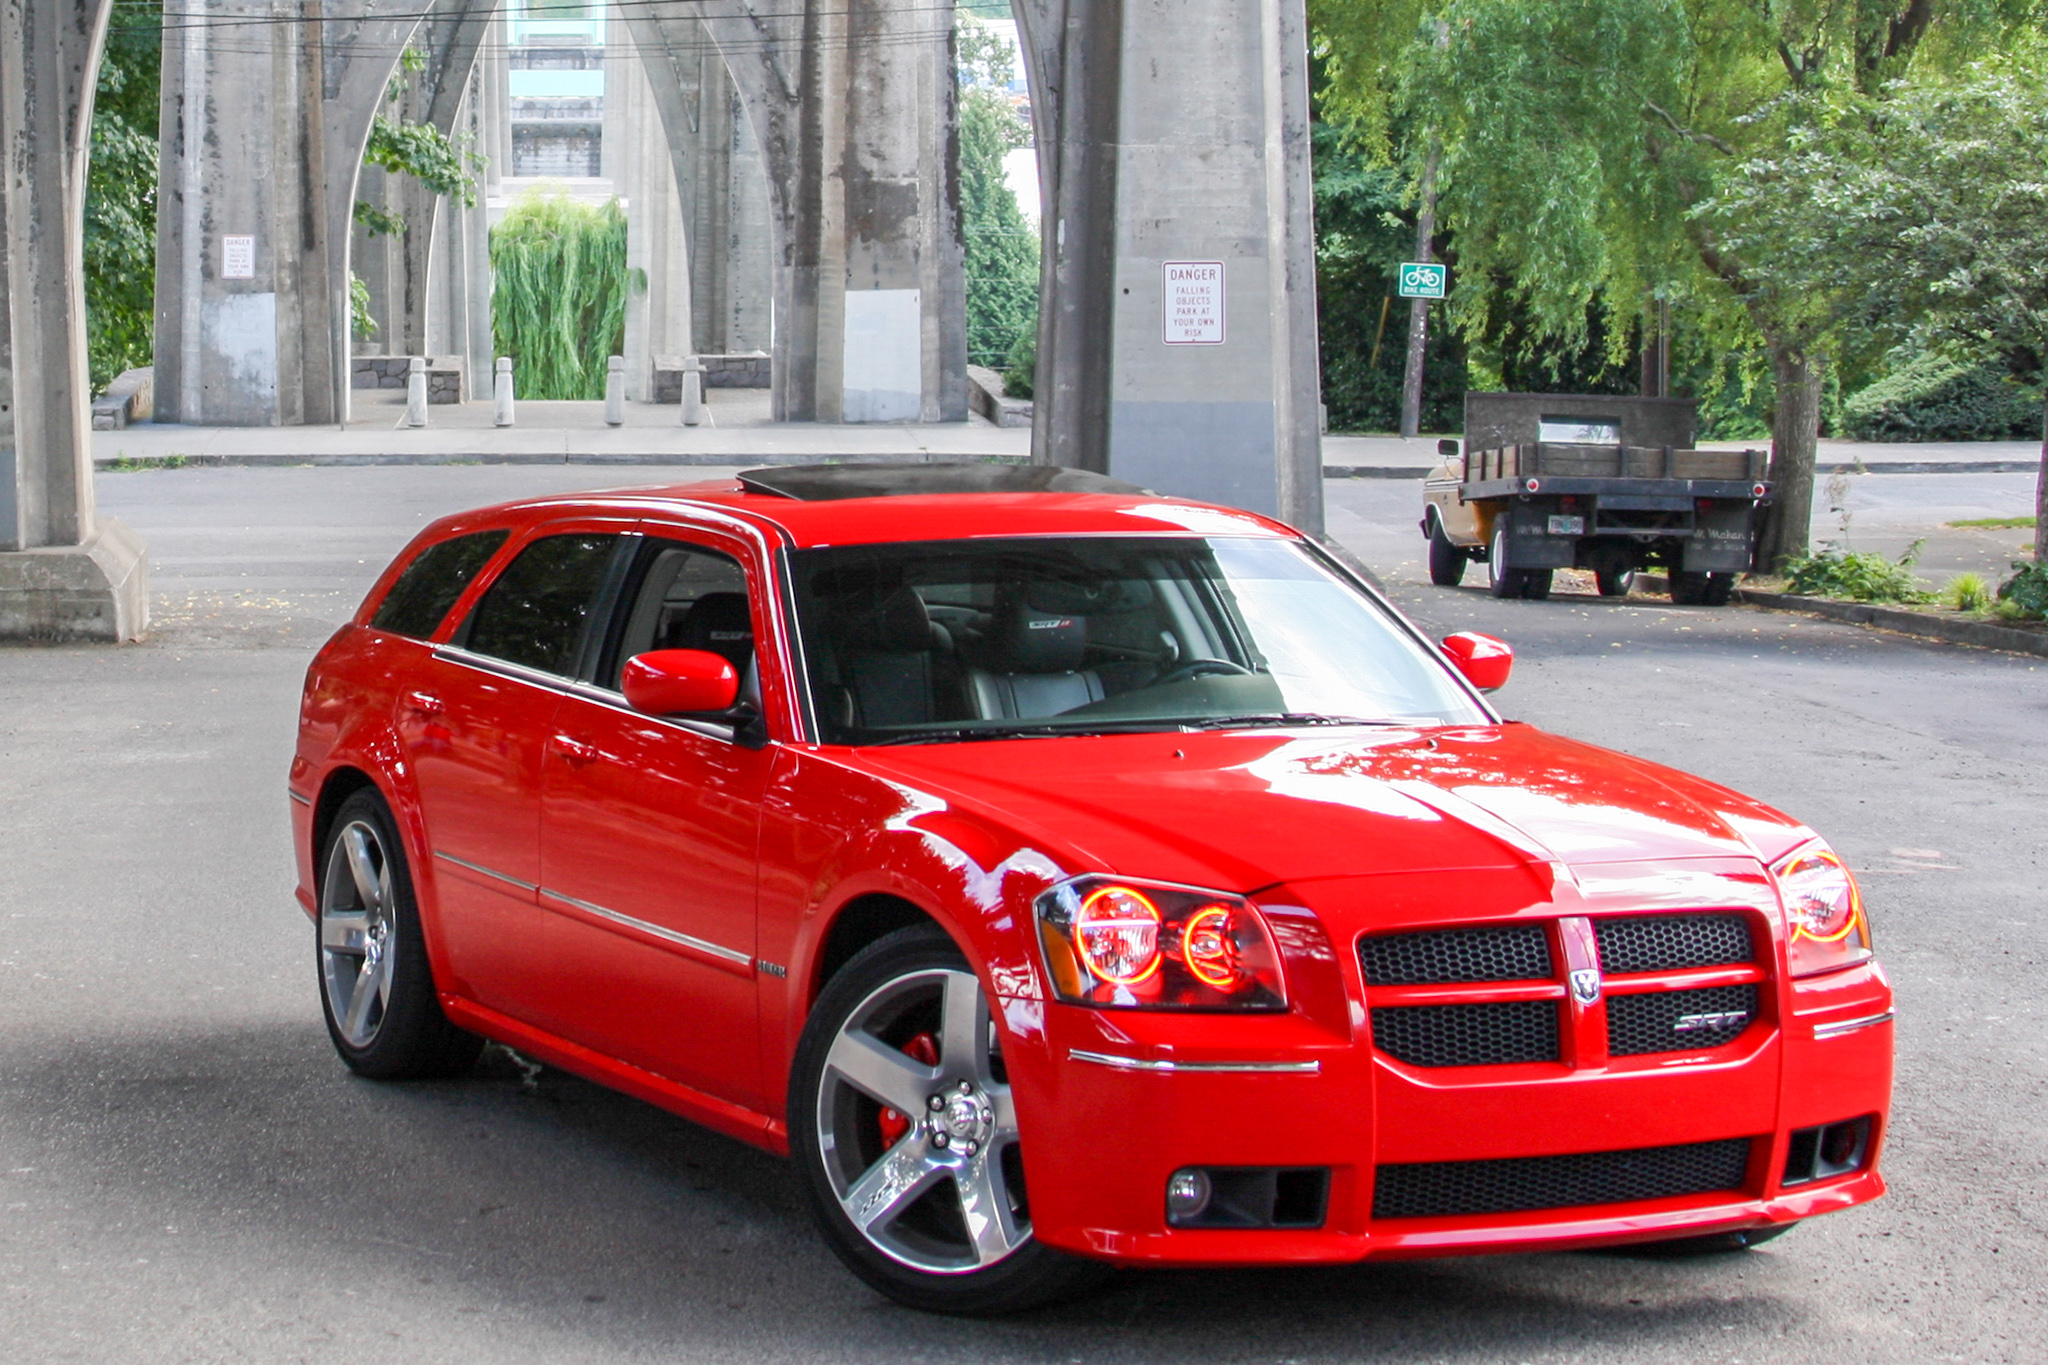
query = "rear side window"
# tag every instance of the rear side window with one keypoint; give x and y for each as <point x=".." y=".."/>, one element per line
<point x="535" y="613"/>
<point x="421" y="597"/>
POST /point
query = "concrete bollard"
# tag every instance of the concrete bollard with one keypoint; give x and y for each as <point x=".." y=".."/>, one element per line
<point x="416" y="392"/>
<point x="615" y="392"/>
<point x="693" y="391"/>
<point x="502" y="391"/>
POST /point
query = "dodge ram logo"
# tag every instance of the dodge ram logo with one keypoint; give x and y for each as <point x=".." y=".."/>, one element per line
<point x="1586" y="985"/>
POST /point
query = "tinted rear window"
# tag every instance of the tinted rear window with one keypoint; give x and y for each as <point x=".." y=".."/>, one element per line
<point x="420" y="599"/>
<point x="535" y="613"/>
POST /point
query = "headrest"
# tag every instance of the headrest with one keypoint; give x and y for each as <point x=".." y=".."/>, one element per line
<point x="897" y="624"/>
<point x="1027" y="640"/>
<point x="719" y="622"/>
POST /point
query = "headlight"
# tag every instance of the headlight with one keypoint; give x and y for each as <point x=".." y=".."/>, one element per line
<point x="1823" y="911"/>
<point x="1115" y="943"/>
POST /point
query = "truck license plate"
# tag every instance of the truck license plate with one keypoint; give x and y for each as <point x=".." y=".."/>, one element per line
<point x="1567" y="526"/>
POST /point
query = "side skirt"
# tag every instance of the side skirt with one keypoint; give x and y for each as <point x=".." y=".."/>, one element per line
<point x="720" y="1116"/>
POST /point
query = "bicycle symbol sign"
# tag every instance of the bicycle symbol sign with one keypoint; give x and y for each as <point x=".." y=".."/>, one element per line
<point x="1420" y="280"/>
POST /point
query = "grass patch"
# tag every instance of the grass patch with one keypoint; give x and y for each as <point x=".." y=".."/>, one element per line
<point x="125" y="465"/>
<point x="1994" y="524"/>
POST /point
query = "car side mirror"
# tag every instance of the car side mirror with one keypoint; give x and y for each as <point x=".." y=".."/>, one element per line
<point x="1447" y="448"/>
<point x="1485" y="661"/>
<point x="680" y="682"/>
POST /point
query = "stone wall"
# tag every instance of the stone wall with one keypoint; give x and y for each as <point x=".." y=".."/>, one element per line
<point x="753" y="370"/>
<point x="444" y="377"/>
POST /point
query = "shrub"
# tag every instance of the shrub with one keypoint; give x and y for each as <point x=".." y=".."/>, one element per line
<point x="1022" y="375"/>
<point x="1936" y="398"/>
<point x="1836" y="572"/>
<point x="1968" y="592"/>
<point x="2026" y="592"/>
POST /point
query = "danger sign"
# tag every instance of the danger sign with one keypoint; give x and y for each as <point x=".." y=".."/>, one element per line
<point x="1193" y="303"/>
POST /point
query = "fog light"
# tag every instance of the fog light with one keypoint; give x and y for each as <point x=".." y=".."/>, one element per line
<point x="1187" y="1194"/>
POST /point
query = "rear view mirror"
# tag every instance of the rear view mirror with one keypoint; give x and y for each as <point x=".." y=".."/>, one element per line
<point x="679" y="682"/>
<point x="1485" y="661"/>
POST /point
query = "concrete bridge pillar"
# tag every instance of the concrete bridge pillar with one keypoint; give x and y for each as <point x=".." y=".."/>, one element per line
<point x="853" y="104"/>
<point x="1177" y="341"/>
<point x="64" y="573"/>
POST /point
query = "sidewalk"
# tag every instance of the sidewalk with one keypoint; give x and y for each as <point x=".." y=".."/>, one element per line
<point x="737" y="430"/>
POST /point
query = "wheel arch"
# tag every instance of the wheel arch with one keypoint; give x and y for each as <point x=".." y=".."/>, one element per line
<point x="864" y="919"/>
<point x="338" y="786"/>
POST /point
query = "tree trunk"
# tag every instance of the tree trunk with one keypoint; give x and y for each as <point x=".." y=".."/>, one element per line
<point x="1418" y="309"/>
<point x="1795" y="430"/>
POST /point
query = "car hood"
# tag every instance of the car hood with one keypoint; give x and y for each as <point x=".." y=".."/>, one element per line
<point x="1241" y="811"/>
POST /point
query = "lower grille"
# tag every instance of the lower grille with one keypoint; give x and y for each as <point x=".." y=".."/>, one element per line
<point x="1442" y="1189"/>
<point x="1468" y="1035"/>
<point x="1677" y="1021"/>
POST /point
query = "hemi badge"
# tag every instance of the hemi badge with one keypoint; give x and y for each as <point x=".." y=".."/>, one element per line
<point x="768" y="968"/>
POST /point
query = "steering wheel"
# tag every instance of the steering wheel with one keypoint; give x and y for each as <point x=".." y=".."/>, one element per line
<point x="1194" y="668"/>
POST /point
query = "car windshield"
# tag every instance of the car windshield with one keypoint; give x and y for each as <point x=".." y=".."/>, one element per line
<point x="959" y="640"/>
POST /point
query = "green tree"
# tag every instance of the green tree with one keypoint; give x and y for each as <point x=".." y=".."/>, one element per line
<point x="1579" y="137"/>
<point x="1920" y="215"/>
<point x="1002" y="246"/>
<point x="559" y="304"/>
<point x="120" y="204"/>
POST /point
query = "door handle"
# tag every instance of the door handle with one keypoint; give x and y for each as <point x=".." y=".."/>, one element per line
<point x="425" y="703"/>
<point x="576" y="751"/>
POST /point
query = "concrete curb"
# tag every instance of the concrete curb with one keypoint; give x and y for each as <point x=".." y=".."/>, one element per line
<point x="1978" y="633"/>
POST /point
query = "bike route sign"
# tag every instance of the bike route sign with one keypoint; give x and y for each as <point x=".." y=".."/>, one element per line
<point x="1420" y="280"/>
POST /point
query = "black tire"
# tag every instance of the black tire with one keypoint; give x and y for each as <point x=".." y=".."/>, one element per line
<point x="1615" y="582"/>
<point x="1536" y="584"/>
<point x="872" y="1017"/>
<point x="1713" y="1244"/>
<point x="1446" y="561"/>
<point x="1688" y="589"/>
<point x="1506" y="582"/>
<point x="366" y="938"/>
<point x="1720" y="590"/>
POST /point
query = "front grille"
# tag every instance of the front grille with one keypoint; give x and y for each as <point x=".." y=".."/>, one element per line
<point x="1504" y="953"/>
<point x="1665" y="943"/>
<point x="1468" y="1035"/>
<point x="1440" y="1189"/>
<point x="1677" y="1021"/>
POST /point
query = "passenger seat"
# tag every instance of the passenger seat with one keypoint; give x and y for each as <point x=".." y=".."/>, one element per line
<point x="1031" y="666"/>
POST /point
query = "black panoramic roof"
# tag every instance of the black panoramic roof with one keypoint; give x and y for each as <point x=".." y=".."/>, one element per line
<point x="835" y="482"/>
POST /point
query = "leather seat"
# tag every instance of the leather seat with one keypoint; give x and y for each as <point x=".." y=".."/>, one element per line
<point x="720" y="623"/>
<point x="891" y="663"/>
<point x="1030" y="665"/>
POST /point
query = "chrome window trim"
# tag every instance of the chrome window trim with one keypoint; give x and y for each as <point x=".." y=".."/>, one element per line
<point x="581" y="691"/>
<point x="483" y="871"/>
<point x="1839" y="1027"/>
<point x="655" y="930"/>
<point x="1142" y="1064"/>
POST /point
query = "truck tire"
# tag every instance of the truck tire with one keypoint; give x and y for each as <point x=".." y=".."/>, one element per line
<point x="1506" y="582"/>
<point x="1536" y="584"/>
<point x="1688" y="589"/>
<point x="1615" y="582"/>
<point x="1446" y="561"/>
<point x="1720" y="590"/>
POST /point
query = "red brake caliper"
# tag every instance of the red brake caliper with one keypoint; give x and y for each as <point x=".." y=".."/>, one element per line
<point x="924" y="1048"/>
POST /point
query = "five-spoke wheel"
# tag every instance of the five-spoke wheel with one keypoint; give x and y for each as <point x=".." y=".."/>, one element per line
<point x="903" y="1126"/>
<point x="376" y="987"/>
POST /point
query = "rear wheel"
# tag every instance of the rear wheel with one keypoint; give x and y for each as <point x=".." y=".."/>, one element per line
<point x="1615" y="582"/>
<point x="905" y="1136"/>
<point x="376" y="986"/>
<point x="1536" y="584"/>
<point x="1446" y="561"/>
<point x="1506" y="582"/>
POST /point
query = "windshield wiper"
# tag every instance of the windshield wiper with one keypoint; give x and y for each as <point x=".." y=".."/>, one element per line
<point x="954" y="733"/>
<point x="1280" y="719"/>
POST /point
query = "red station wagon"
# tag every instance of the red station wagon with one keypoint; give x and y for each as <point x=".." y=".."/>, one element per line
<point x="1066" y="875"/>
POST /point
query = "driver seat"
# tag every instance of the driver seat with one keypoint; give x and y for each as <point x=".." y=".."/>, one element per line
<point x="1030" y="666"/>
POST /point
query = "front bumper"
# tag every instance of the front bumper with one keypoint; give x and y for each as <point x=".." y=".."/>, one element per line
<point x="1105" y="1138"/>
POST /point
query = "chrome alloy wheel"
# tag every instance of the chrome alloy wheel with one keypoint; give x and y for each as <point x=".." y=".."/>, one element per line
<point x="358" y="936"/>
<point x="923" y="1157"/>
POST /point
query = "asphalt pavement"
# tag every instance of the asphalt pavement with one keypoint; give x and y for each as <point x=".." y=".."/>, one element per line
<point x="188" y="1174"/>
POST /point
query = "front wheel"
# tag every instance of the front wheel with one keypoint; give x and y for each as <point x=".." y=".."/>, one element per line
<point x="1446" y="561"/>
<point x="1506" y="582"/>
<point x="905" y="1136"/>
<point x="1615" y="582"/>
